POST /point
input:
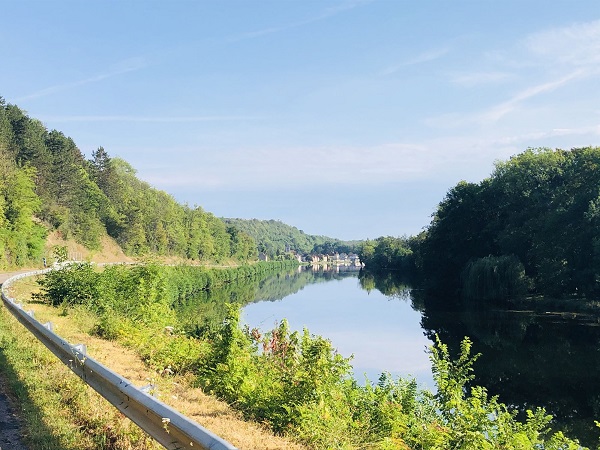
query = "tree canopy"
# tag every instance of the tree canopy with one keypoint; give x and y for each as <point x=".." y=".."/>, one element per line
<point x="274" y="238"/>
<point x="533" y="225"/>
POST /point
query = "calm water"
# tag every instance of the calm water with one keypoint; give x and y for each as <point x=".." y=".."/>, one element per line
<point x="383" y="334"/>
<point x="528" y="358"/>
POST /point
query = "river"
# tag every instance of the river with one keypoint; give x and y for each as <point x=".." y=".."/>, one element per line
<point x="528" y="358"/>
<point x="382" y="333"/>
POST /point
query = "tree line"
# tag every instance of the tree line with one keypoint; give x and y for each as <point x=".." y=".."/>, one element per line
<point x="47" y="184"/>
<point x="275" y="238"/>
<point x="531" y="227"/>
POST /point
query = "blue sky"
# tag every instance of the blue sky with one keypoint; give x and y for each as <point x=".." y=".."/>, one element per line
<point x="345" y="118"/>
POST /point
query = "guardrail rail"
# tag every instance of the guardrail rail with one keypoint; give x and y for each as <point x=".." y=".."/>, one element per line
<point x="169" y="427"/>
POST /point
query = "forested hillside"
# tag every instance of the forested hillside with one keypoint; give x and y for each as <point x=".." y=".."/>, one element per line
<point x="276" y="238"/>
<point x="47" y="184"/>
<point x="533" y="226"/>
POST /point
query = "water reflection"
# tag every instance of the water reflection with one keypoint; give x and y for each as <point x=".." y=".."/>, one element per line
<point x="531" y="358"/>
<point x="383" y="333"/>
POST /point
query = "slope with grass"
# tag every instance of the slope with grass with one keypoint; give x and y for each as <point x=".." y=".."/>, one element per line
<point x="61" y="412"/>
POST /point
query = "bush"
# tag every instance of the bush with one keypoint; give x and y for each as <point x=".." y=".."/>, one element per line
<point x="73" y="284"/>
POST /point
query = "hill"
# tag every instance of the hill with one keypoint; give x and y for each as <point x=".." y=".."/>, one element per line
<point x="275" y="238"/>
<point x="47" y="186"/>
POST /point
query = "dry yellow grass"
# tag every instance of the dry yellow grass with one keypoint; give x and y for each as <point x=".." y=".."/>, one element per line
<point x="175" y="391"/>
<point x="109" y="252"/>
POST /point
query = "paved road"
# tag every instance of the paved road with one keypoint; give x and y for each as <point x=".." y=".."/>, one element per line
<point x="7" y="275"/>
<point x="10" y="422"/>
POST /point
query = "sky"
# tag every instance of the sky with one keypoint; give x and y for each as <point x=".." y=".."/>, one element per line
<point x="348" y="118"/>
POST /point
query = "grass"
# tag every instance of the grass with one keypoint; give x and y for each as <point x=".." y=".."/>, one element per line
<point x="59" y="410"/>
<point x="62" y="412"/>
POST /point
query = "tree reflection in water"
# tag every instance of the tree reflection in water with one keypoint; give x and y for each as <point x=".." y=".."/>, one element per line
<point x="530" y="358"/>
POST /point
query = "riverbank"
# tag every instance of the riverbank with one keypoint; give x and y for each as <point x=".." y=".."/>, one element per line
<point x="66" y="414"/>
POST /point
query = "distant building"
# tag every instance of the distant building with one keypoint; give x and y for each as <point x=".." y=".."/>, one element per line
<point x="263" y="257"/>
<point x="354" y="259"/>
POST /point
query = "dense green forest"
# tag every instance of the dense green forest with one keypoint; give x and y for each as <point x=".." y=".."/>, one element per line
<point x="390" y="253"/>
<point x="531" y="227"/>
<point x="275" y="238"/>
<point x="47" y="184"/>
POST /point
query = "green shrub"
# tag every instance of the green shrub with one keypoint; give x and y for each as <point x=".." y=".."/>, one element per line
<point x="73" y="284"/>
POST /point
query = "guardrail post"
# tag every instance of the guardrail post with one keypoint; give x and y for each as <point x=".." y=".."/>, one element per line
<point x="80" y="348"/>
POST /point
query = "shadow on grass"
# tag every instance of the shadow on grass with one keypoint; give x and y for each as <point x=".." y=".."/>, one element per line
<point x="31" y="419"/>
<point x="35" y="433"/>
<point x="11" y="427"/>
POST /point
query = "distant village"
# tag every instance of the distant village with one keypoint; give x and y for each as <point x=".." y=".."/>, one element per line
<point x="336" y="259"/>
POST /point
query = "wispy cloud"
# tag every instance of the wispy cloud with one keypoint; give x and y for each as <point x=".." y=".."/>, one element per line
<point x="320" y="166"/>
<point x="497" y="112"/>
<point x="558" y="56"/>
<point x="150" y="119"/>
<point x="479" y="78"/>
<point x="447" y="156"/>
<point x="513" y="105"/>
<point x="577" y="44"/>
<point x="121" y="68"/>
<point x="326" y="14"/>
<point x="428" y="56"/>
<point x="527" y="138"/>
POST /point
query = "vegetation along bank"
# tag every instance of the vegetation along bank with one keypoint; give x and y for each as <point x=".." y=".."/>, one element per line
<point x="294" y="382"/>
<point x="531" y="228"/>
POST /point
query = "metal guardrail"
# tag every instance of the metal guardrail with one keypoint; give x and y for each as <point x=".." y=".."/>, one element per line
<point x="168" y="426"/>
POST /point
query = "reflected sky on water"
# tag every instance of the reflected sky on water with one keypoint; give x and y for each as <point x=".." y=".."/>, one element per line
<point x="383" y="334"/>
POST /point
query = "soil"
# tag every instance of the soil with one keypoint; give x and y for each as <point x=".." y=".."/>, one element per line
<point x="110" y="252"/>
